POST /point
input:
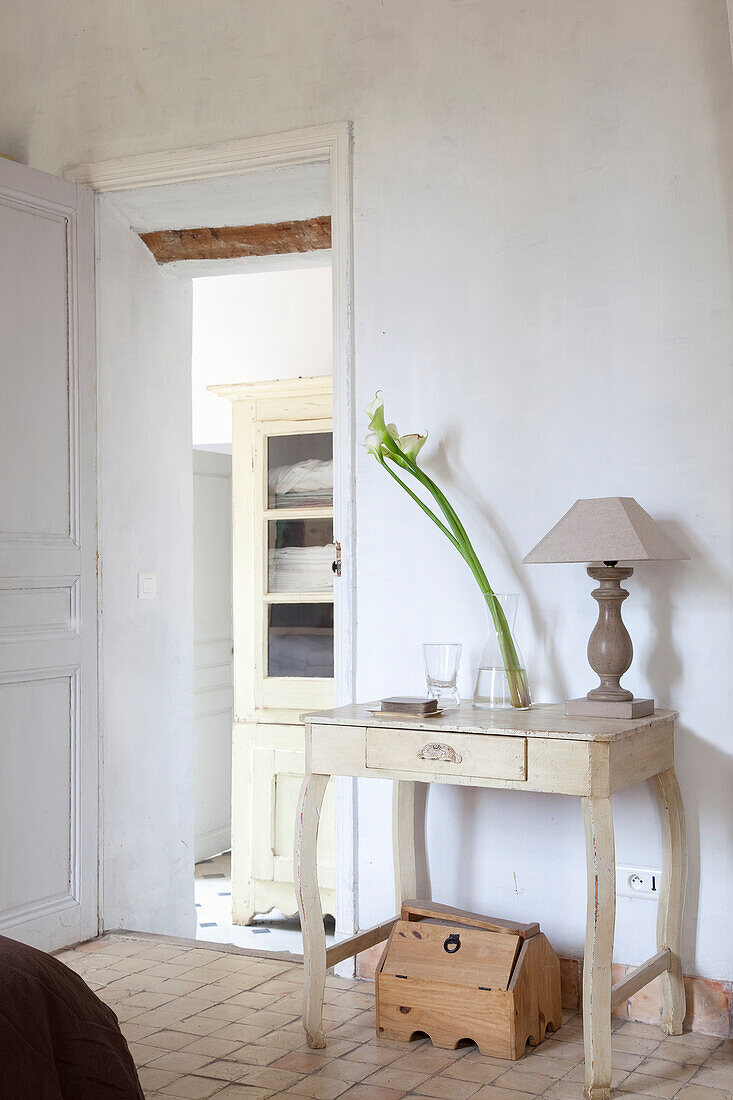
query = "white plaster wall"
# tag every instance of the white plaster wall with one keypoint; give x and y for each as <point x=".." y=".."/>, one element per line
<point x="254" y="327"/>
<point x="542" y="203"/>
<point x="146" y="515"/>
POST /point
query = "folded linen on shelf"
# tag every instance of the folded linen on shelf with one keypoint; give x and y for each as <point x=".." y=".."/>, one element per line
<point x="301" y="655"/>
<point x="301" y="568"/>
<point x="312" y="475"/>
<point x="316" y="499"/>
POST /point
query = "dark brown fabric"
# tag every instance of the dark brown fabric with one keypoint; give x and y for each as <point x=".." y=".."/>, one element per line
<point x="58" y="1041"/>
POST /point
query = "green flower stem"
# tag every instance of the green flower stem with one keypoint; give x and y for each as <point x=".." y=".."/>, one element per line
<point x="516" y="675"/>
<point x="421" y="504"/>
<point x="450" y="514"/>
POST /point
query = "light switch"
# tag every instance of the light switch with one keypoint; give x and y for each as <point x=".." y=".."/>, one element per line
<point x="146" y="586"/>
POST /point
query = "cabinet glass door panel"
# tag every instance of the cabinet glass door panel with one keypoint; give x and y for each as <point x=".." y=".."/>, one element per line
<point x="300" y="470"/>
<point x="300" y="553"/>
<point x="300" y="640"/>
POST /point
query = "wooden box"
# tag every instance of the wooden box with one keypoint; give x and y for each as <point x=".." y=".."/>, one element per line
<point x="455" y="975"/>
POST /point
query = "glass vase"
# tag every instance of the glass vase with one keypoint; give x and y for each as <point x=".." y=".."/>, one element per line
<point x="501" y="679"/>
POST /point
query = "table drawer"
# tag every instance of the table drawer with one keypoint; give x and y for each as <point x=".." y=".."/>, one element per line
<point x="439" y="753"/>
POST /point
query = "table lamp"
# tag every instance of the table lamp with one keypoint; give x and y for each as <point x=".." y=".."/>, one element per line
<point x="608" y="530"/>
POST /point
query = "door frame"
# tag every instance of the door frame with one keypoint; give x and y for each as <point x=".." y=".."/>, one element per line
<point x="332" y="143"/>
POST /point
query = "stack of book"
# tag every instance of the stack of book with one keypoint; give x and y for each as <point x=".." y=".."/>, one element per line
<point x="410" y="705"/>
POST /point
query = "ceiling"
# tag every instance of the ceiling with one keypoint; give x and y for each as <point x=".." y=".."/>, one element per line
<point x="258" y="196"/>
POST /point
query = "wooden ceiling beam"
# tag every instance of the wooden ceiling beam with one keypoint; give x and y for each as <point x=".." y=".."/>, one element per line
<point x="235" y="241"/>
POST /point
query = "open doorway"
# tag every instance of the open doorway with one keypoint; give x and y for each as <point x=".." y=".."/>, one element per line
<point x="266" y="333"/>
<point x="147" y="887"/>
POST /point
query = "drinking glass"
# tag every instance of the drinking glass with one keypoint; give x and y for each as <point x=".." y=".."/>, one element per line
<point x="441" y="672"/>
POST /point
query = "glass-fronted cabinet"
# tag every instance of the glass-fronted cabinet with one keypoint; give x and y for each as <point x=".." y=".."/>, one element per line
<point x="298" y="518"/>
<point x="284" y="554"/>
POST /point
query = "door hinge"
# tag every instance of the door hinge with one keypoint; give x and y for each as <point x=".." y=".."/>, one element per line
<point x="336" y="564"/>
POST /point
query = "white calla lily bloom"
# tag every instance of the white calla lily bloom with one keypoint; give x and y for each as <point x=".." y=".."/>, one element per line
<point x="374" y="444"/>
<point x="411" y="445"/>
<point x="374" y="405"/>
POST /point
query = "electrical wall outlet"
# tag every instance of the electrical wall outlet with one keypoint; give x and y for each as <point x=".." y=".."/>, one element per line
<point x="638" y="882"/>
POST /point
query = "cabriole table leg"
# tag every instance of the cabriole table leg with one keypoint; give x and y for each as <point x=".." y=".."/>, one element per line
<point x="600" y="919"/>
<point x="672" y="897"/>
<point x="403" y="841"/>
<point x="309" y="904"/>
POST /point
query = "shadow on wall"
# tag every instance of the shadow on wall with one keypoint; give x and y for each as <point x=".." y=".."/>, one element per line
<point x="449" y="469"/>
<point x="663" y="586"/>
<point x="700" y="764"/>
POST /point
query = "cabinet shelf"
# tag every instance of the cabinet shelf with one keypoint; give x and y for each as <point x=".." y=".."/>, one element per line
<point x="298" y="597"/>
<point x="304" y="512"/>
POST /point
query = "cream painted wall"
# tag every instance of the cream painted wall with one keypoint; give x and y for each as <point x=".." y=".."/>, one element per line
<point x="254" y="327"/>
<point x="145" y="525"/>
<point x="542" y="204"/>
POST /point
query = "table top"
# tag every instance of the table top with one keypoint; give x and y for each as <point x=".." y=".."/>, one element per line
<point x="540" y="720"/>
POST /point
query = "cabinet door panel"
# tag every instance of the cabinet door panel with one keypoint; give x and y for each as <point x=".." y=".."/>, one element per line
<point x="276" y="778"/>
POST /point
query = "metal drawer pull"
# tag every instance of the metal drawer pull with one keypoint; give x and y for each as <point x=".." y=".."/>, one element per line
<point x="436" y="751"/>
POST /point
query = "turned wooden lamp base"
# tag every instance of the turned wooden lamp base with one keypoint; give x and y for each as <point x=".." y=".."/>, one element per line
<point x="610" y="652"/>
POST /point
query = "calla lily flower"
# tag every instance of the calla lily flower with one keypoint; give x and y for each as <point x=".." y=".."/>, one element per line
<point x="372" y="407"/>
<point x="387" y="432"/>
<point x="392" y="450"/>
<point x="411" y="445"/>
<point x="374" y="444"/>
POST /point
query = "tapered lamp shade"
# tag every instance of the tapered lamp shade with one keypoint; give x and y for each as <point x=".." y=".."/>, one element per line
<point x="606" y="529"/>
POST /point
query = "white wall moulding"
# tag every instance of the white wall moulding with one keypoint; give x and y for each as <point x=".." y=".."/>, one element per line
<point x="53" y="693"/>
<point x="35" y="609"/>
<point x="226" y="158"/>
<point x="44" y="510"/>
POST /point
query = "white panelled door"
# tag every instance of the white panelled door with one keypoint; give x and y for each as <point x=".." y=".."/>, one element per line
<point x="48" y="591"/>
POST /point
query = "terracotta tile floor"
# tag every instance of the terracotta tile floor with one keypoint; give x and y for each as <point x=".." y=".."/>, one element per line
<point x="203" y="1022"/>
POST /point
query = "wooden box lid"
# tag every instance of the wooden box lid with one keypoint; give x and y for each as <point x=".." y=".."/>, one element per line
<point x="414" y="909"/>
<point x="441" y="951"/>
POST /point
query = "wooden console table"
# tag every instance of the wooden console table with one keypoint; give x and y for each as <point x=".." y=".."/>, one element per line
<point x="534" y="750"/>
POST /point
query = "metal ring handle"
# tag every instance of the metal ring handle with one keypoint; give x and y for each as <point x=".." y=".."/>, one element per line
<point x="452" y="943"/>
